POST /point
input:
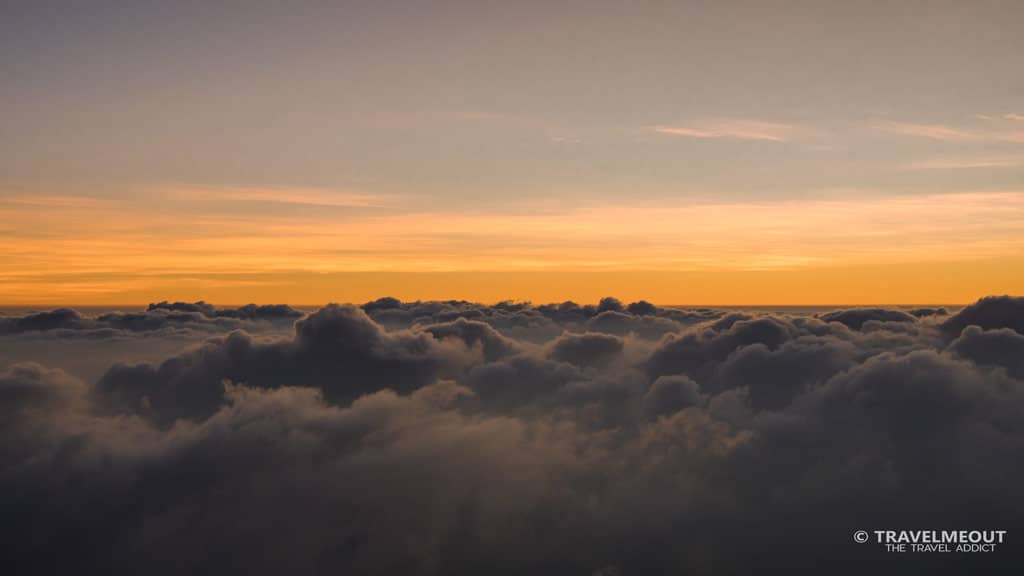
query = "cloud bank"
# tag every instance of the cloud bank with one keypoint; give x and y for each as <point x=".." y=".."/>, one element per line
<point x="163" y="318"/>
<point x="459" y="438"/>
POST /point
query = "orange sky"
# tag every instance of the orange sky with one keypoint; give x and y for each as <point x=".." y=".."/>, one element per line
<point x="313" y="246"/>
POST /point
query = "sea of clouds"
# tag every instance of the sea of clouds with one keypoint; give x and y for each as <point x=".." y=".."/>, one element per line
<point x="460" y="438"/>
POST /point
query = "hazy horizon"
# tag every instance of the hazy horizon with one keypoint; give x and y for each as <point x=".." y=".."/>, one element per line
<point x="322" y="304"/>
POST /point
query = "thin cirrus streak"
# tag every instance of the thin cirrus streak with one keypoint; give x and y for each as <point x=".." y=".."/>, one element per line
<point x="302" y="196"/>
<point x="55" y="201"/>
<point x="740" y="129"/>
<point x="963" y="163"/>
<point x="74" y="252"/>
<point x="942" y="132"/>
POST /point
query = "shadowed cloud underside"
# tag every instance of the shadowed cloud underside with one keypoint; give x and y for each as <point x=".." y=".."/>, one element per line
<point x="448" y="437"/>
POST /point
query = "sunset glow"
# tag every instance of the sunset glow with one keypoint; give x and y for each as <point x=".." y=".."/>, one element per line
<point x="124" y="250"/>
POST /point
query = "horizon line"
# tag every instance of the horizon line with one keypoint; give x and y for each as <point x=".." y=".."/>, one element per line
<point x="236" y="305"/>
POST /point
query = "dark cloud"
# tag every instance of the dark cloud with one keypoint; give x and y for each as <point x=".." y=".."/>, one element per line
<point x="249" y="311"/>
<point x="697" y="352"/>
<point x="586" y="349"/>
<point x="670" y="394"/>
<point x="538" y="324"/>
<point x="1001" y="347"/>
<point x="642" y="308"/>
<point x="925" y="312"/>
<point x="910" y="439"/>
<point x="162" y="319"/>
<point x="458" y="438"/>
<point x="774" y="377"/>
<point x="197" y="307"/>
<point x="52" y="320"/>
<point x="855" y="318"/>
<point x="988" y="313"/>
<point x="472" y="333"/>
<point x="515" y="320"/>
<point x="29" y="386"/>
<point x="337" y="349"/>
<point x="651" y="327"/>
<point x="519" y="382"/>
<point x="610" y="304"/>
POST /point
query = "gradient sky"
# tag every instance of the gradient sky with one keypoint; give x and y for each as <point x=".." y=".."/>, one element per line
<point x="683" y="152"/>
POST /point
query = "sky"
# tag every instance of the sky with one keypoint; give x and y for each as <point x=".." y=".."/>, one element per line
<point x="682" y="152"/>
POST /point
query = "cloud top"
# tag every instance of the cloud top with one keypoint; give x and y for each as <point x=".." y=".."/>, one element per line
<point x="453" y="437"/>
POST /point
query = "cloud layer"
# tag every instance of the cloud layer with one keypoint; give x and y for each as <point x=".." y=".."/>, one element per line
<point x="458" y="438"/>
<point x="163" y="318"/>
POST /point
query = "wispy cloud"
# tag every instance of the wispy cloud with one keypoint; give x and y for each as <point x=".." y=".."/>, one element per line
<point x="303" y="196"/>
<point x="52" y="201"/>
<point x="1018" y="117"/>
<point x="565" y="140"/>
<point x="136" y="240"/>
<point x="155" y="242"/>
<point x="959" y="163"/>
<point x="933" y="131"/>
<point x="949" y="133"/>
<point x="483" y="115"/>
<point x="737" y="128"/>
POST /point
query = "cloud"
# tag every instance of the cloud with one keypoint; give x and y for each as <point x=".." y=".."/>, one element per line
<point x="51" y="320"/>
<point x="544" y="322"/>
<point x="247" y="312"/>
<point x="966" y="163"/>
<point x="454" y="438"/>
<point x="300" y="196"/>
<point x="855" y="318"/>
<point x="476" y="334"/>
<point x="670" y="394"/>
<point x="988" y="313"/>
<point x="29" y="386"/>
<point x="734" y="128"/>
<point x="925" y="312"/>
<point x="1001" y="347"/>
<point x="943" y="132"/>
<point x="337" y="349"/>
<point x="586" y="349"/>
<point x="53" y="201"/>
<point x="160" y="319"/>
